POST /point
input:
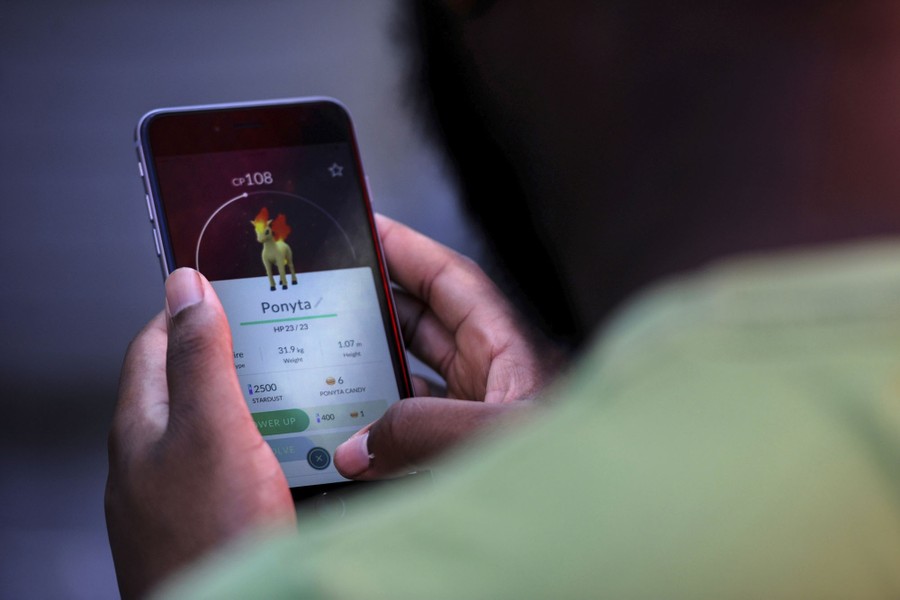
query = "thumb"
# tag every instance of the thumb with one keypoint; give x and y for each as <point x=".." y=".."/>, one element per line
<point x="199" y="361"/>
<point x="412" y="433"/>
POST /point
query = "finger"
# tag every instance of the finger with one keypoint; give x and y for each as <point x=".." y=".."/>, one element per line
<point x="460" y="312"/>
<point x="413" y="432"/>
<point x="204" y="395"/>
<point x="452" y="285"/>
<point x="491" y="376"/>
<point x="425" y="386"/>
<point x="142" y="408"/>
<point x="423" y="333"/>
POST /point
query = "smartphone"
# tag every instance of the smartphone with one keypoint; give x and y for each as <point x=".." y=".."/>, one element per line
<point x="269" y="201"/>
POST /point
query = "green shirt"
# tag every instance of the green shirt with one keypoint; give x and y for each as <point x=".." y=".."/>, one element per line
<point x="733" y="433"/>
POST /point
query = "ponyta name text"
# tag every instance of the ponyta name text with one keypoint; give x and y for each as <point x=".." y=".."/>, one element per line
<point x="285" y="307"/>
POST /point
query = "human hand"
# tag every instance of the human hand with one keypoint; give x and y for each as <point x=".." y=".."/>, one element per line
<point x="457" y="322"/>
<point x="188" y="468"/>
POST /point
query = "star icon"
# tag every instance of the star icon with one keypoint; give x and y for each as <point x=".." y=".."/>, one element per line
<point x="336" y="170"/>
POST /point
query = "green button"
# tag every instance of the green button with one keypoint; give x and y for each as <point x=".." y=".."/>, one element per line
<point x="291" y="420"/>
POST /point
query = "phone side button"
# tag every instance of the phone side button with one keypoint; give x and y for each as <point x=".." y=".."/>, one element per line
<point x="149" y="207"/>
<point x="141" y="169"/>
<point x="156" y="242"/>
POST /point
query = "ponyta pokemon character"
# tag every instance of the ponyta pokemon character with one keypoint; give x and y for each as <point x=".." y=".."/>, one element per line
<point x="271" y="234"/>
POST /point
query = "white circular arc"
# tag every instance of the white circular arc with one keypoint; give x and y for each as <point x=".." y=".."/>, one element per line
<point x="246" y="195"/>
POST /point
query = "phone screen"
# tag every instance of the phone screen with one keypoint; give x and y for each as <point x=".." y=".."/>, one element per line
<point x="273" y="210"/>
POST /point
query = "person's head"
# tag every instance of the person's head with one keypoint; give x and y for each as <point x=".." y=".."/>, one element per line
<point x="605" y="144"/>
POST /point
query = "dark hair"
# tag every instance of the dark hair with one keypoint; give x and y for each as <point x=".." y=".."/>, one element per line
<point x="448" y="94"/>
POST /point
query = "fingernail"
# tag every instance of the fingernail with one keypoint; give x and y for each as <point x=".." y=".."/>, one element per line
<point x="183" y="289"/>
<point x="353" y="455"/>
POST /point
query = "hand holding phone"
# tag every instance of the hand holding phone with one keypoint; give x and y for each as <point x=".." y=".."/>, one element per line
<point x="186" y="470"/>
<point x="187" y="473"/>
<point x="459" y="323"/>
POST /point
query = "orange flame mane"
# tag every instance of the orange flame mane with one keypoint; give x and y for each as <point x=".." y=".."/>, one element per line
<point x="280" y="228"/>
<point x="261" y="221"/>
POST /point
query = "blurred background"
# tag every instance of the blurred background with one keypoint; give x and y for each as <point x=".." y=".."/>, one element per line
<point x="80" y="275"/>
